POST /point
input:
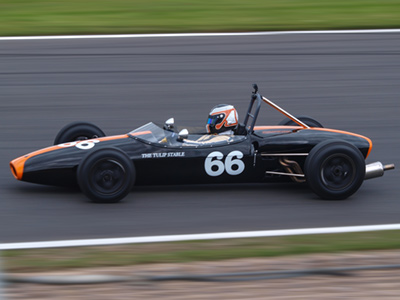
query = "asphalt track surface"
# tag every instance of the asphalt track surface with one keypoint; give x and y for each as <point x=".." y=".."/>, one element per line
<point x="346" y="81"/>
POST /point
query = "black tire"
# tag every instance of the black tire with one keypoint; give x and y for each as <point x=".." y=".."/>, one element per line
<point x="307" y="120"/>
<point x="78" y="131"/>
<point x="106" y="175"/>
<point x="334" y="169"/>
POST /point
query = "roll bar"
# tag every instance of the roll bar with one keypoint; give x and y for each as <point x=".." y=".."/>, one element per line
<point x="256" y="97"/>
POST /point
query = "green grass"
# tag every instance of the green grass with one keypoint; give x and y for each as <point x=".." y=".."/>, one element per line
<point x="53" y="17"/>
<point x="83" y="257"/>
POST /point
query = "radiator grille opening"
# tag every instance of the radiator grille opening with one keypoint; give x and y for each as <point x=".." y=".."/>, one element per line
<point x="13" y="171"/>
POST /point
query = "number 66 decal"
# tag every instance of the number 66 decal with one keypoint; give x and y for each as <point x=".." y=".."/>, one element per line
<point x="214" y="166"/>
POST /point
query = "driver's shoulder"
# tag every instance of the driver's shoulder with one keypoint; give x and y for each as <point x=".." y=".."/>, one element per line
<point x="214" y="138"/>
<point x="208" y="139"/>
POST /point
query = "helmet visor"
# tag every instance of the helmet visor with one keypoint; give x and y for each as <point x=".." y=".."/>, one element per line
<point x="212" y="120"/>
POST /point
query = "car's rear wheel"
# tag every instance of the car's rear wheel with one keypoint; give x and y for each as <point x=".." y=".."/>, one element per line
<point x="334" y="169"/>
<point x="307" y="120"/>
<point x="106" y="175"/>
<point x="78" y="131"/>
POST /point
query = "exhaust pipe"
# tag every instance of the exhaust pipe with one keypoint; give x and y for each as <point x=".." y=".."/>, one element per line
<point x="376" y="169"/>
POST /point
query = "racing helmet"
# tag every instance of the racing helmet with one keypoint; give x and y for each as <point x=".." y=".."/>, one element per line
<point x="222" y="117"/>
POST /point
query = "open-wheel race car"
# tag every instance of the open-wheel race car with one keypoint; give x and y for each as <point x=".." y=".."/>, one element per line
<point x="331" y="162"/>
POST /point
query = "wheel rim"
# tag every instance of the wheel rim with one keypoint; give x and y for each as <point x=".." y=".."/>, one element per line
<point x="107" y="176"/>
<point x="338" y="171"/>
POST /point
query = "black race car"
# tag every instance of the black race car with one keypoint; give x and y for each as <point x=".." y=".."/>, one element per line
<point x="331" y="162"/>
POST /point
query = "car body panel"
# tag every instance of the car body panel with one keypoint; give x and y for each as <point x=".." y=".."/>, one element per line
<point x="297" y="139"/>
<point x="180" y="162"/>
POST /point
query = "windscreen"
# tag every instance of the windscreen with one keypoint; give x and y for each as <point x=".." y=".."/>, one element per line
<point x="150" y="133"/>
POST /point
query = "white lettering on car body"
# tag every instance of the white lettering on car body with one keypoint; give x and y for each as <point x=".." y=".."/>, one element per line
<point x="163" y="155"/>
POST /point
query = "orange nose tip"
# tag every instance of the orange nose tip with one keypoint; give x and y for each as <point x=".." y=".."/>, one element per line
<point x="17" y="167"/>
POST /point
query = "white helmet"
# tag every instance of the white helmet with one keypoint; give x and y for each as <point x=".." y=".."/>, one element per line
<point x="222" y="117"/>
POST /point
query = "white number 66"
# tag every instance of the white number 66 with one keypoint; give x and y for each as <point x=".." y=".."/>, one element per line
<point x="214" y="159"/>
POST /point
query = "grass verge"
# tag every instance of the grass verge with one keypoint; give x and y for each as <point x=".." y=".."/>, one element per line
<point x="50" y="17"/>
<point x="84" y="257"/>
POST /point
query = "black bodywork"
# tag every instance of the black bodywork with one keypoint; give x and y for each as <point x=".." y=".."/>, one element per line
<point x="180" y="163"/>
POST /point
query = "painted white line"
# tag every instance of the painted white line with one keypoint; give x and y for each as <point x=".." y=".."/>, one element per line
<point x="196" y="237"/>
<point x="216" y="34"/>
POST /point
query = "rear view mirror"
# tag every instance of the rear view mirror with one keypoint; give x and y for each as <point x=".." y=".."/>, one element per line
<point x="183" y="134"/>
<point x="169" y="124"/>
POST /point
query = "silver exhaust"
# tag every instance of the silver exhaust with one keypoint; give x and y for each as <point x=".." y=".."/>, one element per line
<point x="376" y="169"/>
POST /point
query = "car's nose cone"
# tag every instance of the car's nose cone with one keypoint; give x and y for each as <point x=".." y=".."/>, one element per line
<point x="17" y="167"/>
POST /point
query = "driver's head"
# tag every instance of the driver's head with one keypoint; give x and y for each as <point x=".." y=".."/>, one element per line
<point x="222" y="117"/>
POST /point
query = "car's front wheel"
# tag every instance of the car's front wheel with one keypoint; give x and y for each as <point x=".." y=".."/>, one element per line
<point x="78" y="131"/>
<point x="334" y="169"/>
<point x="106" y="175"/>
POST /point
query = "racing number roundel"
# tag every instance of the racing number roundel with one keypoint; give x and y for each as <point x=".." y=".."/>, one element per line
<point x="214" y="166"/>
<point x="83" y="145"/>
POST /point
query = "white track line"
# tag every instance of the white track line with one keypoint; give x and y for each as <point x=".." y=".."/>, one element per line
<point x="196" y="237"/>
<point x="217" y="34"/>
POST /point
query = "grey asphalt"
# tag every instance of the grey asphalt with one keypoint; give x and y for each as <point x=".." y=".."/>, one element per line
<point x="346" y="81"/>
